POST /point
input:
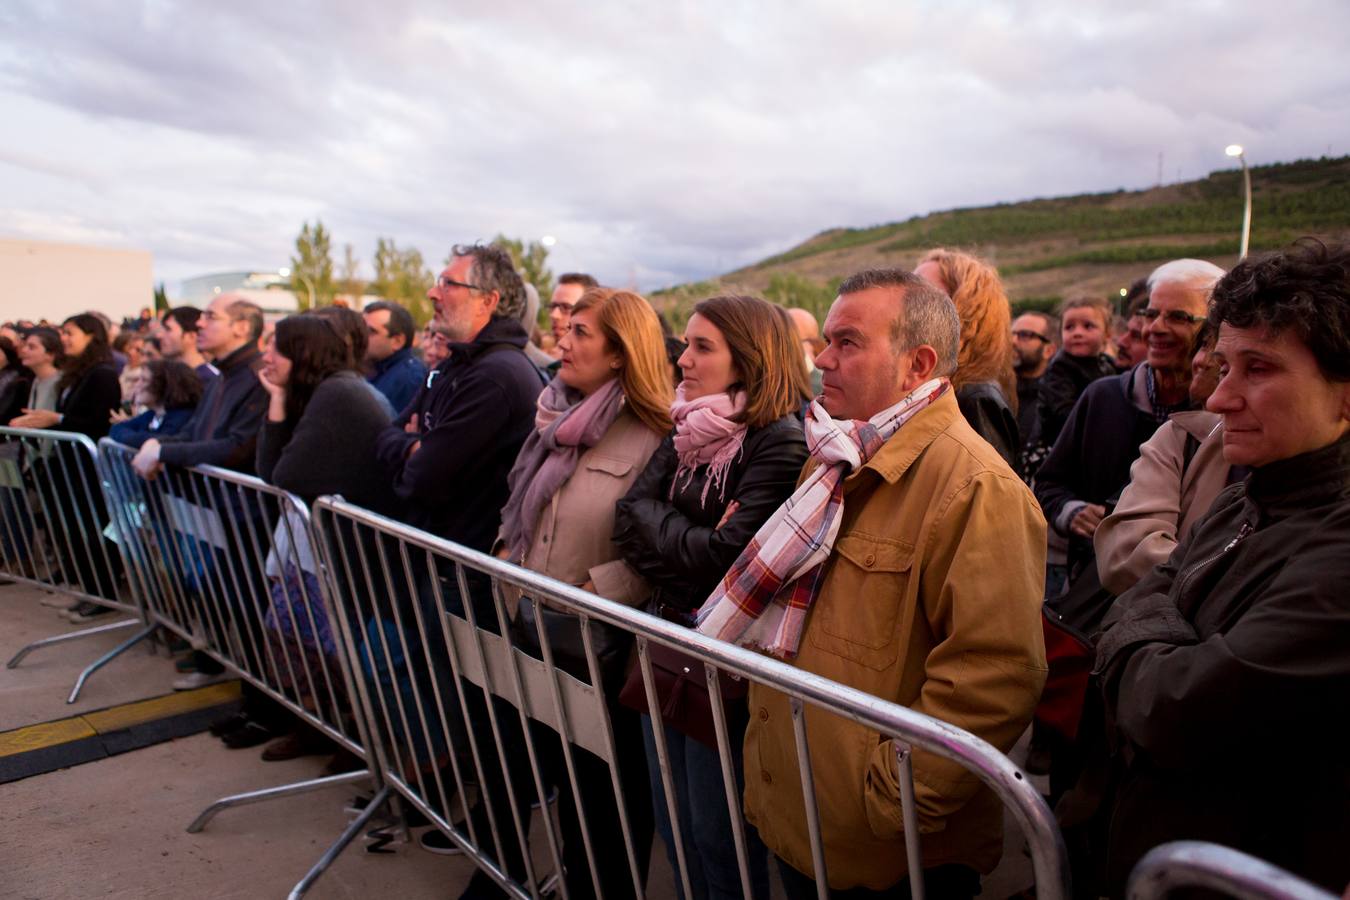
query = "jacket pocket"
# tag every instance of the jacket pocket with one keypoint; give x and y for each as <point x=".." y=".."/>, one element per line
<point x="610" y="465"/>
<point x="863" y="594"/>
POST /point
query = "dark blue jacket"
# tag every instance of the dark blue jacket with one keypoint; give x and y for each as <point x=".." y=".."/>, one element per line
<point x="139" y="429"/>
<point x="473" y="415"/>
<point x="398" y="377"/>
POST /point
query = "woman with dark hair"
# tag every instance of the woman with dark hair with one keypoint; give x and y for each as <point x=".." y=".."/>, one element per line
<point x="318" y="438"/>
<point x="169" y="392"/>
<point x="986" y="386"/>
<point x="15" y="381"/>
<point x="351" y="327"/>
<point x="86" y="395"/>
<point x="87" y="391"/>
<point x="734" y="456"/>
<point x="42" y="354"/>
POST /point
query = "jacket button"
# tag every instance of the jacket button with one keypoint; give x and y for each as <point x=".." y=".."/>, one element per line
<point x="870" y="561"/>
<point x="768" y="779"/>
<point x="763" y="714"/>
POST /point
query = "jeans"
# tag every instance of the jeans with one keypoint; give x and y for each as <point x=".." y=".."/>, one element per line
<point x="705" y="822"/>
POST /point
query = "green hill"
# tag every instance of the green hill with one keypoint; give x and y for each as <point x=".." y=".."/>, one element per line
<point x="1049" y="249"/>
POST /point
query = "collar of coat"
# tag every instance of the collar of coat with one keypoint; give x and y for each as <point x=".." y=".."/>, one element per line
<point x="899" y="452"/>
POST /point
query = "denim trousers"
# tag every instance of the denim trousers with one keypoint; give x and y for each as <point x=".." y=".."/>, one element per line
<point x="705" y="822"/>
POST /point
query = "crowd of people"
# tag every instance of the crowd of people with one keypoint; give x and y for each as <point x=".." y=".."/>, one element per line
<point x="919" y="505"/>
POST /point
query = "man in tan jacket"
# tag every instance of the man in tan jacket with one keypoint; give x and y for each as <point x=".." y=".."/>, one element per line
<point x="930" y="598"/>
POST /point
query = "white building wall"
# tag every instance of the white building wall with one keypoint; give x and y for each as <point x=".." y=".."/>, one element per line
<point x="45" y="280"/>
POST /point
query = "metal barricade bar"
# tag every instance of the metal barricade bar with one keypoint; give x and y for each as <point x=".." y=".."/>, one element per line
<point x="484" y="658"/>
<point x="1197" y="864"/>
<point x="228" y="563"/>
<point x="55" y="529"/>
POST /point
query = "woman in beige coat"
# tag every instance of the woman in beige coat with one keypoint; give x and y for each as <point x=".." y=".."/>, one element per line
<point x="1173" y="483"/>
<point x="596" y="425"/>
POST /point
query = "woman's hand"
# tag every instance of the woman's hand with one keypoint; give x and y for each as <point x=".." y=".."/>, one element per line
<point x="731" y="511"/>
<point x="276" y="398"/>
<point x="36" y="418"/>
<point x="118" y="416"/>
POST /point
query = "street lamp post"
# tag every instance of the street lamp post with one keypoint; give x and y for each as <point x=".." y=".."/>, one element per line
<point x="309" y="285"/>
<point x="1236" y="150"/>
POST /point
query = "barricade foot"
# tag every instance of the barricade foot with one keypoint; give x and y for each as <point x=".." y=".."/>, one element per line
<point x="107" y="658"/>
<point x="285" y="790"/>
<point x="73" y="636"/>
<point x="343" y="840"/>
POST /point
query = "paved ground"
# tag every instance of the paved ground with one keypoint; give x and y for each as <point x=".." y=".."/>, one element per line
<point x="116" y="827"/>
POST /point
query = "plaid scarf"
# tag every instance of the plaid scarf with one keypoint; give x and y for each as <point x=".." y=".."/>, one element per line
<point x="763" y="599"/>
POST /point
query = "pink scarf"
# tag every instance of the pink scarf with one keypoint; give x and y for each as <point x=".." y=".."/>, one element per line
<point x="706" y="435"/>
<point x="566" y="424"/>
<point x="763" y="599"/>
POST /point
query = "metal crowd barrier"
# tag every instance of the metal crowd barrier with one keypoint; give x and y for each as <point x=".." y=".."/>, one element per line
<point x="1196" y="864"/>
<point x="55" y="534"/>
<point x="226" y="562"/>
<point x="453" y="703"/>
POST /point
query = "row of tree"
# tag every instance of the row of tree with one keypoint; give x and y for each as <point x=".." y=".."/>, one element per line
<point x="401" y="273"/>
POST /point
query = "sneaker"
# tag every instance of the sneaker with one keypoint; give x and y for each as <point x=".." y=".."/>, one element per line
<point x="194" y="680"/>
<point x="186" y="664"/>
<point x="436" y="841"/>
<point x="412" y="816"/>
<point x="87" y="612"/>
<point x="60" y="601"/>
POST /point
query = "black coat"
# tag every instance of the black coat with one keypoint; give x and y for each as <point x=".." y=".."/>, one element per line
<point x="674" y="542"/>
<point x="86" y="405"/>
<point x="987" y="411"/>
<point x="224" y="427"/>
<point x="1091" y="460"/>
<point x="473" y="416"/>
<point x="1063" y="383"/>
<point x="1226" y="678"/>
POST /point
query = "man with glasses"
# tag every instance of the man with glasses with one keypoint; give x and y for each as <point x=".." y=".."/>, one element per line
<point x="451" y="449"/>
<point x="1090" y="461"/>
<point x="1035" y="340"/>
<point x="571" y="285"/>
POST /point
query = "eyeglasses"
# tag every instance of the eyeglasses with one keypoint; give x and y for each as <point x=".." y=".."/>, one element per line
<point x="1171" y="317"/>
<point x="442" y="282"/>
<point x="1023" y="335"/>
<point x="555" y="306"/>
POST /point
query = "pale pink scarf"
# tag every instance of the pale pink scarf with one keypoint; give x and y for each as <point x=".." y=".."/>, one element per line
<point x="706" y="435"/>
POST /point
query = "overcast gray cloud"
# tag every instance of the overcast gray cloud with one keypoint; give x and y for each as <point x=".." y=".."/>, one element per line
<point x="659" y="142"/>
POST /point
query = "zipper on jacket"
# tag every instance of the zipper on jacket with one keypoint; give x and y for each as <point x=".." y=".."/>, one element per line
<point x="1242" y="534"/>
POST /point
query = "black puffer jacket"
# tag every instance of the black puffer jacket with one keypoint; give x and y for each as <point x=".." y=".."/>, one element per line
<point x="675" y="542"/>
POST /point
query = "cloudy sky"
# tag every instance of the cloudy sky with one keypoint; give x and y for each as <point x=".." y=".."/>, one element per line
<point x="658" y="141"/>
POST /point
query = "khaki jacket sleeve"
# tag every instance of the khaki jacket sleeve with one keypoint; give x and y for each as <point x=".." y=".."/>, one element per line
<point x="1142" y="531"/>
<point x="983" y="572"/>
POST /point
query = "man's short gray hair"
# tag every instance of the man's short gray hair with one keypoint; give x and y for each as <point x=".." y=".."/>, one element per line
<point x="927" y="315"/>
<point x="493" y="270"/>
<point x="1188" y="274"/>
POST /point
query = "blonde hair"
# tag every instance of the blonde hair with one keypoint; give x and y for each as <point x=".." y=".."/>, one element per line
<point x="766" y="353"/>
<point x="632" y="330"/>
<point x="986" y="351"/>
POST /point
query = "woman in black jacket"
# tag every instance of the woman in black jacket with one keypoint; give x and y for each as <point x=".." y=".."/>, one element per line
<point x="733" y="458"/>
<point x="318" y="438"/>
<point x="86" y="394"/>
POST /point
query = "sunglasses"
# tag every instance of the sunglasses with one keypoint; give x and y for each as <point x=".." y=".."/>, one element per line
<point x="1171" y="317"/>
<point x="1023" y="335"/>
